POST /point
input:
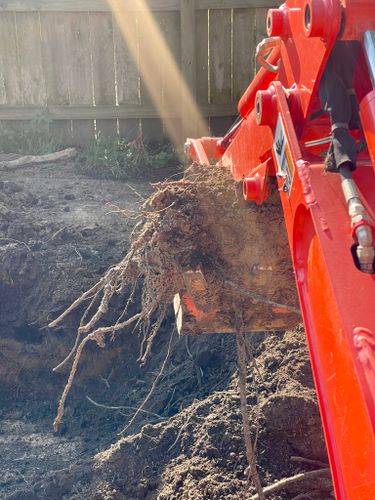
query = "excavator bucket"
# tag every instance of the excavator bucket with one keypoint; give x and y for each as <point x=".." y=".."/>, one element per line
<point x="247" y="269"/>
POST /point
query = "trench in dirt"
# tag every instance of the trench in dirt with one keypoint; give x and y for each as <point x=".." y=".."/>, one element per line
<point x="59" y="232"/>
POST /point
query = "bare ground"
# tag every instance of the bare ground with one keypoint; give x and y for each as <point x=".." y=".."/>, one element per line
<point x="57" y="237"/>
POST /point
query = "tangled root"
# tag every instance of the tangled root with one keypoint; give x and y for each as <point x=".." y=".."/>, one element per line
<point x="198" y="222"/>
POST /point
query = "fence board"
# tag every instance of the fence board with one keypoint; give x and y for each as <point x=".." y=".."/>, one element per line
<point x="30" y="58"/>
<point x="54" y="57"/>
<point x="261" y="29"/>
<point x="82" y="5"/>
<point x="188" y="65"/>
<point x="220" y="65"/>
<point x="77" y="31"/>
<point x="15" y="113"/>
<point x="103" y="67"/>
<point x="152" y="129"/>
<point x="131" y="5"/>
<point x="236" y="4"/>
<point x="201" y="48"/>
<point x="127" y="76"/>
<point x="171" y="31"/>
<point x="243" y="50"/>
<point x="71" y="62"/>
<point x="55" y="69"/>
<point x="11" y="93"/>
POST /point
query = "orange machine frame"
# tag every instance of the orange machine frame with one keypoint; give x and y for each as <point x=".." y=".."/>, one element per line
<point x="337" y="299"/>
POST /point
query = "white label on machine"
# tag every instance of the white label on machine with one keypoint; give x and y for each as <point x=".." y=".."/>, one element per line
<point x="285" y="164"/>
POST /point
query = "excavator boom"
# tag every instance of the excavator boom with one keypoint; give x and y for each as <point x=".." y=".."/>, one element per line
<point x="293" y="126"/>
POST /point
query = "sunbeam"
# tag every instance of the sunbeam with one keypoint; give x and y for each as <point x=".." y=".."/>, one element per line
<point x="157" y="63"/>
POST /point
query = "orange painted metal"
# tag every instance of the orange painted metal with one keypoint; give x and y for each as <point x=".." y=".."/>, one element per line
<point x="255" y="188"/>
<point x="337" y="299"/>
<point x="367" y="110"/>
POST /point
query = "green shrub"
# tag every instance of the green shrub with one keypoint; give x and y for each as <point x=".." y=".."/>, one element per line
<point x="34" y="138"/>
<point x="118" y="159"/>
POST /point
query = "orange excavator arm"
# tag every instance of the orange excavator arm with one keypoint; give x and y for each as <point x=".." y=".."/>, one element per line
<point x="289" y="117"/>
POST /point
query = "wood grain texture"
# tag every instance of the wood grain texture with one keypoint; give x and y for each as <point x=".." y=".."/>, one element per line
<point x="103" y="67"/>
<point x="243" y="50"/>
<point x="220" y="56"/>
<point x="261" y="29"/>
<point x="127" y="75"/>
<point x="152" y="129"/>
<point x="55" y="69"/>
<point x="78" y="47"/>
<point x="30" y="58"/>
<point x="71" y="55"/>
<point x="102" y="5"/>
<point x="10" y="79"/>
<point x="55" y="63"/>
<point x="201" y="50"/>
<point x="237" y="4"/>
<point x="81" y="5"/>
<point x="188" y="63"/>
<point x="220" y="65"/>
<point x="188" y="36"/>
<point x="172" y="91"/>
<point x="15" y="113"/>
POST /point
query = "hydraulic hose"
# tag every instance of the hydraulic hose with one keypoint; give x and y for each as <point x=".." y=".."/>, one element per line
<point x="360" y="222"/>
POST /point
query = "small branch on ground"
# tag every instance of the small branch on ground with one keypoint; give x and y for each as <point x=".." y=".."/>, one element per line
<point x="254" y="371"/>
<point x="250" y="453"/>
<point x="135" y="191"/>
<point x="131" y="408"/>
<point x="12" y="240"/>
<point x="289" y="481"/>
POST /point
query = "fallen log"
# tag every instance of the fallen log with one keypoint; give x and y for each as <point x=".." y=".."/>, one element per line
<point x="26" y="161"/>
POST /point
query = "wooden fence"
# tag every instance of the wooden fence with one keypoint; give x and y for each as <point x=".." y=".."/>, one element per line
<point x="67" y="60"/>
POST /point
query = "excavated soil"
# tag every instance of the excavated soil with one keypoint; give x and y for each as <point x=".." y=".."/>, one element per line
<point x="59" y="232"/>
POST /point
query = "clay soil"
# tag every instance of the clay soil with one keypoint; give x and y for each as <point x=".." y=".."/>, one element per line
<point x="59" y="232"/>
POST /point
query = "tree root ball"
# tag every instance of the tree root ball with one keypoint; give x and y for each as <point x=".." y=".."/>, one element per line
<point x="224" y="264"/>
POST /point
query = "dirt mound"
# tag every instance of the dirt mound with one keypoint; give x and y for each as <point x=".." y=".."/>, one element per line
<point x="57" y="238"/>
<point x="199" y="453"/>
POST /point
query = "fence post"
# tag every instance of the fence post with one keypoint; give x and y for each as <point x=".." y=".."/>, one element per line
<point x="188" y="65"/>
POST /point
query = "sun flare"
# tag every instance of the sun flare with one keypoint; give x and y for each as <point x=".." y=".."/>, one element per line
<point x="158" y="63"/>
